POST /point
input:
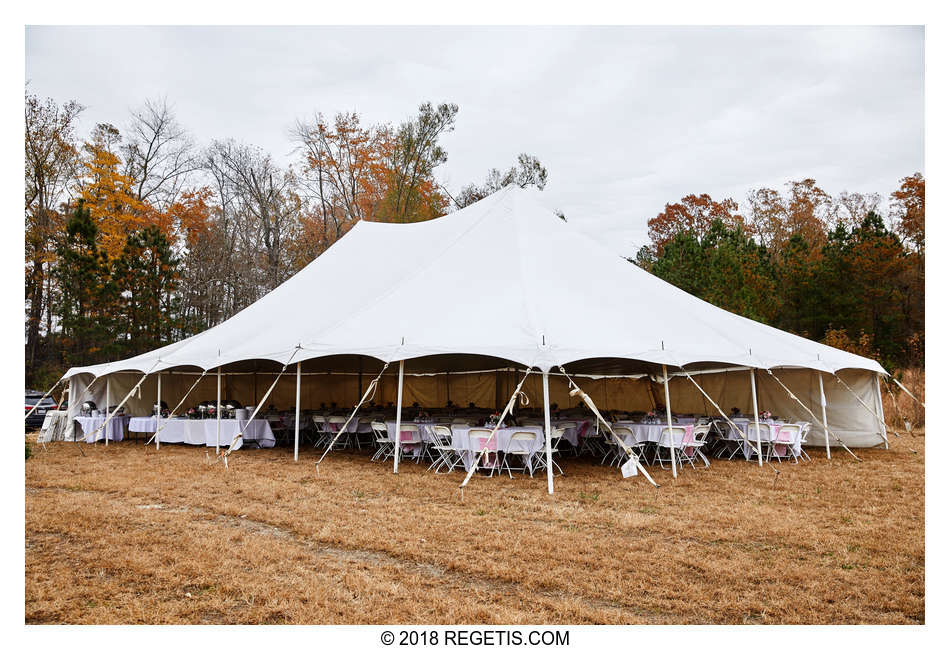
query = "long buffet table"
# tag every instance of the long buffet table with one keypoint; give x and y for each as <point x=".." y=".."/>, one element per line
<point x="205" y="432"/>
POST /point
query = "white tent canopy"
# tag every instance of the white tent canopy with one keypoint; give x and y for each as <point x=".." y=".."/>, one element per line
<point x="502" y="278"/>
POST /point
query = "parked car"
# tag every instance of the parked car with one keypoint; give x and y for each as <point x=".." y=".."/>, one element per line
<point x="35" y="420"/>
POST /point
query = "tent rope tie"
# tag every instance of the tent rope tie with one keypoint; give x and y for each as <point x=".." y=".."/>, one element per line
<point x="122" y="403"/>
<point x="37" y="405"/>
<point x="517" y="395"/>
<point x="240" y="434"/>
<point x="577" y="390"/>
<point x="897" y="407"/>
<point x="811" y="413"/>
<point x="735" y="426"/>
<point x="368" y="394"/>
<point x="903" y="388"/>
<point x="175" y="410"/>
<point x="869" y="410"/>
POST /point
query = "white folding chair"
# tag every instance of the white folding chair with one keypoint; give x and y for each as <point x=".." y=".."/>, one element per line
<point x="448" y="456"/>
<point x="385" y="447"/>
<point x="541" y="457"/>
<point x="765" y="432"/>
<point x="523" y="443"/>
<point x="478" y="441"/>
<point x="783" y="445"/>
<point x="411" y="442"/>
<point x="671" y="439"/>
<point x="700" y="433"/>
<point x="806" y="429"/>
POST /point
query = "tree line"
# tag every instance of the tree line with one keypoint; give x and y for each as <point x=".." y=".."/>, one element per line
<point x="138" y="237"/>
<point x="847" y="270"/>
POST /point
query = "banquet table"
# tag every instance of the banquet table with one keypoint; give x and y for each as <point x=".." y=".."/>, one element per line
<point x="204" y="432"/>
<point x="501" y="442"/>
<point x="90" y="423"/>
<point x="651" y="431"/>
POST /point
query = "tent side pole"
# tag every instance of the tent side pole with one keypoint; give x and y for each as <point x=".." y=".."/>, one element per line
<point x="158" y="412"/>
<point x="217" y="412"/>
<point x="755" y="408"/>
<point x="108" y="399"/>
<point x="669" y="419"/>
<point x="547" y="430"/>
<point x="402" y="365"/>
<point x="879" y="407"/>
<point x="824" y="415"/>
<point x="297" y="418"/>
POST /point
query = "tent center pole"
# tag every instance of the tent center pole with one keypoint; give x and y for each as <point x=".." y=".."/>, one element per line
<point x="297" y="418"/>
<point x="669" y="420"/>
<point x="547" y="430"/>
<point x="755" y="410"/>
<point x="824" y="415"/>
<point x="397" y="447"/>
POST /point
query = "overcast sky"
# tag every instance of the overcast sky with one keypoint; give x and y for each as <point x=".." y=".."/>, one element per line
<point x="625" y="119"/>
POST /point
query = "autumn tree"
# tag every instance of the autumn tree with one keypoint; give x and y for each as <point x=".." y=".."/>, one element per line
<point x="412" y="193"/>
<point x="693" y="215"/>
<point x="51" y="159"/>
<point x="108" y="193"/>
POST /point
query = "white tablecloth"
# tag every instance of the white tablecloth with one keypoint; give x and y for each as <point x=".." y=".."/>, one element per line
<point x="90" y="423"/>
<point x="501" y="441"/>
<point x="651" y="432"/>
<point x="204" y="432"/>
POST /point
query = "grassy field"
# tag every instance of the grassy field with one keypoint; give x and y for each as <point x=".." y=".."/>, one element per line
<point x="129" y="535"/>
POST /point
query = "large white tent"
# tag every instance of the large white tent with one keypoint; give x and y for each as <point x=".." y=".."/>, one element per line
<point x="502" y="284"/>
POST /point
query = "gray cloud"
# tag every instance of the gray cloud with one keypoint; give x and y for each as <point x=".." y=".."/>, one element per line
<point x="625" y="118"/>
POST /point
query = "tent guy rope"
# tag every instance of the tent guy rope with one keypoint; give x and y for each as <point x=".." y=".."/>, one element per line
<point x="175" y="410"/>
<point x="240" y="434"/>
<point x="814" y="417"/>
<point x="368" y="394"/>
<point x="577" y="390"/>
<point x="484" y="450"/>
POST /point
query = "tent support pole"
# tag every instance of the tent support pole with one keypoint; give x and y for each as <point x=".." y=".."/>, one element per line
<point x="217" y="412"/>
<point x="879" y="407"/>
<point x="108" y="399"/>
<point x="158" y="412"/>
<point x="824" y="415"/>
<point x="297" y="418"/>
<point x="755" y="408"/>
<point x="547" y="430"/>
<point x="669" y="420"/>
<point x="402" y="365"/>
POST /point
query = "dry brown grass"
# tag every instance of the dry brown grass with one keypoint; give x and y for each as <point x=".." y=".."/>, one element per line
<point x="126" y="535"/>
